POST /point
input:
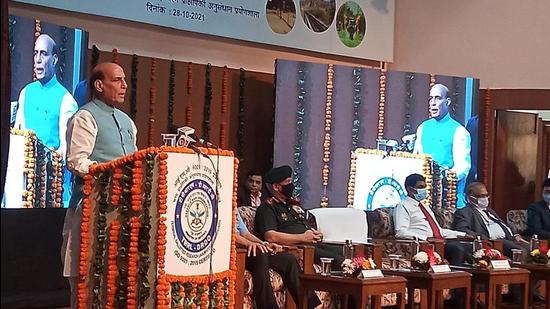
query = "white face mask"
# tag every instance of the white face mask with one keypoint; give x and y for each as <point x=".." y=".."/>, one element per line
<point x="421" y="194"/>
<point x="481" y="202"/>
<point x="546" y="197"/>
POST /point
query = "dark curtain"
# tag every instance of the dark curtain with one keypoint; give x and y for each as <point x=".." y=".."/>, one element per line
<point x="5" y="99"/>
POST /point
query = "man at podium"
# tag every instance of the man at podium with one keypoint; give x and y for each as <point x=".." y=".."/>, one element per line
<point x="445" y="139"/>
<point x="98" y="132"/>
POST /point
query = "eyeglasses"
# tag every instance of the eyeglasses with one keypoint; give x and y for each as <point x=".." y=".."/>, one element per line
<point x="480" y="195"/>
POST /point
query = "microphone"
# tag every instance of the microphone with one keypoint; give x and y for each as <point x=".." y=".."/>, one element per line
<point x="203" y="142"/>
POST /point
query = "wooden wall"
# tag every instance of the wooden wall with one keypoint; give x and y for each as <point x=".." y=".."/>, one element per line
<point x="517" y="148"/>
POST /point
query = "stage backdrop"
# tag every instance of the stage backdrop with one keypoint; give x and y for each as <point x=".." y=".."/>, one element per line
<point x="356" y="118"/>
<point x="360" y="28"/>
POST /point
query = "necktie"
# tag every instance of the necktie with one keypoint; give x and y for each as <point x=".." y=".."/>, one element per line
<point x="431" y="222"/>
<point x="499" y="222"/>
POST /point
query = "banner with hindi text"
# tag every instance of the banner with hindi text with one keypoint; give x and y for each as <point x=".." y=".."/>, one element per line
<point x="360" y="28"/>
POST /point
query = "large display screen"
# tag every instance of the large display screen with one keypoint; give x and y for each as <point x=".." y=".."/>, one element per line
<point x="48" y="66"/>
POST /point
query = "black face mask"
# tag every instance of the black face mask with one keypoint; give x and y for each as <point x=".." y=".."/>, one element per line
<point x="288" y="190"/>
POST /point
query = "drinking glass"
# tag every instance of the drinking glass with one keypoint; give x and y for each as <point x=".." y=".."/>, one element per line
<point x="394" y="261"/>
<point x="326" y="266"/>
<point x="516" y="256"/>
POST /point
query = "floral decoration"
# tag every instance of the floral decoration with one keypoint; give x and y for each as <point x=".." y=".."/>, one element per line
<point x="300" y="115"/>
<point x="114" y="56"/>
<point x="485" y="123"/>
<point x="171" y="93"/>
<point x="352" y="267"/>
<point x="540" y="255"/>
<point x="382" y="102"/>
<point x="37" y="33"/>
<point x="207" y="103"/>
<point x="240" y="131"/>
<point x="188" y="115"/>
<point x="483" y="257"/>
<point x="189" y="78"/>
<point x="328" y="130"/>
<point x="425" y="259"/>
<point x="62" y="49"/>
<point x="409" y="100"/>
<point x="152" y="102"/>
<point x="356" y="125"/>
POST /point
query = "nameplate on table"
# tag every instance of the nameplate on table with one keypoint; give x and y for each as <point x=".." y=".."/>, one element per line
<point x="500" y="265"/>
<point x="443" y="268"/>
<point x="371" y="273"/>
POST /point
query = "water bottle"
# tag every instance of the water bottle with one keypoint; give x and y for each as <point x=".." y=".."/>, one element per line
<point x="534" y="243"/>
<point x="349" y="250"/>
<point x="478" y="244"/>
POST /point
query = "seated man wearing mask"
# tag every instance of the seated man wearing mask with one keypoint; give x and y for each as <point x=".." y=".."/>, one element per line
<point x="538" y="214"/>
<point x="280" y="220"/>
<point x="479" y="220"/>
<point x="414" y="219"/>
<point x="261" y="257"/>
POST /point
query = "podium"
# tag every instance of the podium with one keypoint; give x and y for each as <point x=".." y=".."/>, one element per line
<point x="158" y="230"/>
<point x="377" y="179"/>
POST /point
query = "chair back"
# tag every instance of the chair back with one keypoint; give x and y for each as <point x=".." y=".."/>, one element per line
<point x="517" y="220"/>
<point x="341" y="224"/>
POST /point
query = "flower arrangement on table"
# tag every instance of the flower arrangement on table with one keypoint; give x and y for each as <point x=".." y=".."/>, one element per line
<point x="483" y="257"/>
<point x="353" y="267"/>
<point x="539" y="256"/>
<point x="423" y="260"/>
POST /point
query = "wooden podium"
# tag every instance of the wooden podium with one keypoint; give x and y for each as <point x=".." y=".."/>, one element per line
<point x="158" y="230"/>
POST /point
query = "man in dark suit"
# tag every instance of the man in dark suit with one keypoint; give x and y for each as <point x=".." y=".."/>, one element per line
<point x="480" y="220"/>
<point x="250" y="192"/>
<point x="538" y="214"/>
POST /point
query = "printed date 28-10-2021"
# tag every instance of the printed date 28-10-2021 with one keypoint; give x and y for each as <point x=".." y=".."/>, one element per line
<point x="187" y="14"/>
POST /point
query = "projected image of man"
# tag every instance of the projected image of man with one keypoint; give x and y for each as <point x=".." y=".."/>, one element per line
<point x="45" y="105"/>
<point x="445" y="139"/>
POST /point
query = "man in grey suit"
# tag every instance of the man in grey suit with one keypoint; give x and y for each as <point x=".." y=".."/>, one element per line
<point x="538" y="214"/>
<point x="480" y="220"/>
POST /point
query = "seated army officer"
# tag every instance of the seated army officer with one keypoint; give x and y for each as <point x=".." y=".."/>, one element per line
<point x="280" y="221"/>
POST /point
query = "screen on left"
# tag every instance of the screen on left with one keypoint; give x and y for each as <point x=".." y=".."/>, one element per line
<point x="48" y="72"/>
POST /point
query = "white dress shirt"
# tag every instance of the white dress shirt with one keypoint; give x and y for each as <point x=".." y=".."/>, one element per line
<point x="495" y="230"/>
<point x="81" y="135"/>
<point x="410" y="222"/>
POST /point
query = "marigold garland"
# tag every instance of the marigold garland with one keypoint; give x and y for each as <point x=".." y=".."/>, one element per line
<point x="486" y="120"/>
<point x="351" y="181"/>
<point x="207" y="103"/>
<point x="409" y="100"/>
<point x="152" y="102"/>
<point x="300" y="115"/>
<point x="114" y="56"/>
<point x="12" y="34"/>
<point x="356" y="125"/>
<point x="382" y="102"/>
<point x="432" y="80"/>
<point x="37" y="33"/>
<point x="454" y="93"/>
<point x="40" y="175"/>
<point x="140" y="165"/>
<point x="29" y="168"/>
<point x="137" y="178"/>
<point x="328" y="131"/>
<point x="188" y="115"/>
<point x="225" y="98"/>
<point x="171" y="93"/>
<point x="62" y="50"/>
<point x="223" y="135"/>
<point x="133" y="262"/>
<point x="144" y="263"/>
<point x="133" y="87"/>
<point x="82" y="294"/>
<point x="190" y="78"/>
<point x="116" y="188"/>
<point x="112" y="254"/>
<point x="241" y="115"/>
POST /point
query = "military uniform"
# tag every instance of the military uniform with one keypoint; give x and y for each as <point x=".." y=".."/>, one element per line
<point x="274" y="215"/>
